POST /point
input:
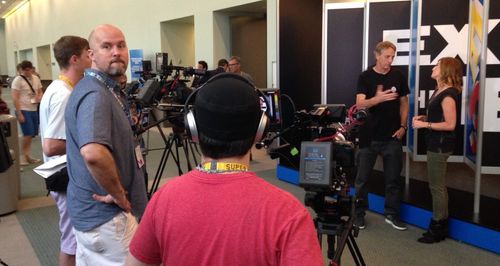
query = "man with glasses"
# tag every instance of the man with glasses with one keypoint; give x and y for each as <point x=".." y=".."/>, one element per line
<point x="234" y="66"/>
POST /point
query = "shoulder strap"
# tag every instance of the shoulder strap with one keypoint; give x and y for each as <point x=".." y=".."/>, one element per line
<point x="31" y="87"/>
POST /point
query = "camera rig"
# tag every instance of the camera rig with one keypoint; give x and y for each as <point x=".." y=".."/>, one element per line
<point x="165" y="91"/>
<point x="322" y="145"/>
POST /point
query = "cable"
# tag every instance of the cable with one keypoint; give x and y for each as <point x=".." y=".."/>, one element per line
<point x="291" y="101"/>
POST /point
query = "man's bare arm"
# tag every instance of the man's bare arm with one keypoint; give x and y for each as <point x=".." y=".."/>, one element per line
<point x="17" y="105"/>
<point x="403" y="112"/>
<point x="52" y="147"/>
<point x="102" y="166"/>
<point x="380" y="97"/>
<point x="404" y="107"/>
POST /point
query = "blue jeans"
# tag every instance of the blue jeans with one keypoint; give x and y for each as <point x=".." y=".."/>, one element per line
<point x="392" y="155"/>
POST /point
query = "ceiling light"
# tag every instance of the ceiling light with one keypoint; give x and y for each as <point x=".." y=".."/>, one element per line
<point x="13" y="10"/>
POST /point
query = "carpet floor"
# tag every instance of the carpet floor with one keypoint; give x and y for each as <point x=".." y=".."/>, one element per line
<point x="379" y="243"/>
<point x="41" y="227"/>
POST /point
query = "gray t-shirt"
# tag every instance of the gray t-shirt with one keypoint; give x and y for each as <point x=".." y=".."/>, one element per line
<point x="94" y="115"/>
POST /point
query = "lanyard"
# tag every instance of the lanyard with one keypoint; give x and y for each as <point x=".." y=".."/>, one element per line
<point x="67" y="81"/>
<point x="111" y="85"/>
<point x="221" y="167"/>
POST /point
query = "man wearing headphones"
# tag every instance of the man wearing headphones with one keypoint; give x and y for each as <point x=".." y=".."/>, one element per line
<point x="221" y="213"/>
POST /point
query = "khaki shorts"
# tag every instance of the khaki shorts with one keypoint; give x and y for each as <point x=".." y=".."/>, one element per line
<point x="107" y="244"/>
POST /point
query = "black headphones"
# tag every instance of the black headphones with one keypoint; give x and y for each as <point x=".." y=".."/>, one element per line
<point x="189" y="114"/>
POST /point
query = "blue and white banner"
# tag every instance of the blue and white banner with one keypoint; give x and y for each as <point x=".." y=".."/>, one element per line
<point x="490" y="103"/>
<point x="136" y="57"/>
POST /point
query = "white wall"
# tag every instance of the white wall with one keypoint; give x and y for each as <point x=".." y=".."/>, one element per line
<point x="177" y="38"/>
<point x="272" y="42"/>
<point x="3" y="53"/>
<point x="42" y="22"/>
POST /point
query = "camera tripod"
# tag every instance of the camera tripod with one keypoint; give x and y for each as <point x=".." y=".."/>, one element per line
<point x="176" y="140"/>
<point x="342" y="232"/>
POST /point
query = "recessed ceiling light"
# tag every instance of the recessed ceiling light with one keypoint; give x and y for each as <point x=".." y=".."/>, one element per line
<point x="3" y="1"/>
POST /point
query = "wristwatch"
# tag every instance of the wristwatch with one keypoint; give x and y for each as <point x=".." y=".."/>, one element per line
<point x="404" y="127"/>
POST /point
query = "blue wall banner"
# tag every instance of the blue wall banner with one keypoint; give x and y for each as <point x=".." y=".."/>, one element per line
<point x="473" y="77"/>
<point x="412" y="71"/>
<point x="488" y="57"/>
<point x="136" y="57"/>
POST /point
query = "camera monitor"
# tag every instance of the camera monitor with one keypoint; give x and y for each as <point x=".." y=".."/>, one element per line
<point x="315" y="164"/>
<point x="149" y="91"/>
<point x="146" y="66"/>
<point x="270" y="103"/>
<point x="336" y="112"/>
<point x="161" y="62"/>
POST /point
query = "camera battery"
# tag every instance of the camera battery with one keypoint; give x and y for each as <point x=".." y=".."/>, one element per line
<point x="315" y="164"/>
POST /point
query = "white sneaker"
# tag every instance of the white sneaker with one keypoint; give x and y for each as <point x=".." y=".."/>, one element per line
<point x="395" y="222"/>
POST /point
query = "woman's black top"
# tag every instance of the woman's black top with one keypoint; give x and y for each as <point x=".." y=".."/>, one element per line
<point x="441" y="141"/>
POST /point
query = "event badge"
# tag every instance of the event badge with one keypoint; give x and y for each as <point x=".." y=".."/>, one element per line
<point x="138" y="156"/>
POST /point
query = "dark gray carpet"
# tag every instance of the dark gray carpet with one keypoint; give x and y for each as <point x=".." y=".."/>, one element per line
<point x="32" y="185"/>
<point x="379" y="243"/>
<point x="41" y="228"/>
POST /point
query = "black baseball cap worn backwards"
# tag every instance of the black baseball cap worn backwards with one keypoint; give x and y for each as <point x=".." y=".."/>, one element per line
<point x="227" y="108"/>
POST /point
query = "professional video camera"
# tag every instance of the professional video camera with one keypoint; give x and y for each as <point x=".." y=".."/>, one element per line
<point x="168" y="85"/>
<point x="318" y="136"/>
<point x="326" y="145"/>
<point x="322" y="123"/>
<point x="165" y="91"/>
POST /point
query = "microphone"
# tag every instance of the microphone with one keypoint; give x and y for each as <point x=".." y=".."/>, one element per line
<point x="260" y="145"/>
<point x="361" y="115"/>
<point x="264" y="143"/>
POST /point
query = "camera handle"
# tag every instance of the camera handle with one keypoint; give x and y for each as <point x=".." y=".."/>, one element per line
<point x="267" y="141"/>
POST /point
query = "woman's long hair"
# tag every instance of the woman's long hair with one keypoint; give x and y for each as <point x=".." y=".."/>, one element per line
<point x="451" y="72"/>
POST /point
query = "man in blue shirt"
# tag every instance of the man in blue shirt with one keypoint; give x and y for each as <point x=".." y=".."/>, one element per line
<point x="106" y="192"/>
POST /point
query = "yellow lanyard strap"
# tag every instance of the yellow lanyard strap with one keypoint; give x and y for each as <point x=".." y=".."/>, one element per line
<point x="220" y="167"/>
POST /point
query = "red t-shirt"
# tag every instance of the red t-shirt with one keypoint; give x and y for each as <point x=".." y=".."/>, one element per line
<point x="225" y="219"/>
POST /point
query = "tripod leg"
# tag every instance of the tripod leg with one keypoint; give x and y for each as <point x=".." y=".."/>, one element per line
<point x="165" y="140"/>
<point x="331" y="247"/>
<point x="157" y="178"/>
<point x="146" y="178"/>
<point x="161" y="167"/>
<point x="164" y="157"/>
<point x="185" y="147"/>
<point x="178" y="142"/>
<point x="343" y="235"/>
<point x="354" y="249"/>
<point x="3" y="263"/>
